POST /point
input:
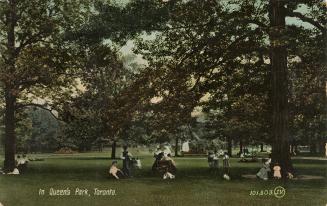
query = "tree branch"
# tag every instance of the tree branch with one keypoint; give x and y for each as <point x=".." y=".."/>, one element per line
<point x="306" y="19"/>
<point x="33" y="39"/>
<point x="22" y="106"/>
<point x="24" y="84"/>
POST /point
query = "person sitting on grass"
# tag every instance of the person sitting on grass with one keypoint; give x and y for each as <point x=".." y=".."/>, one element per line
<point x="173" y="163"/>
<point x="277" y="169"/>
<point x="157" y="152"/>
<point x="168" y="158"/>
<point x="115" y="171"/>
<point x="14" y="172"/>
<point x="157" y="157"/>
<point x="17" y="160"/>
<point x="22" y="164"/>
<point x="263" y="172"/>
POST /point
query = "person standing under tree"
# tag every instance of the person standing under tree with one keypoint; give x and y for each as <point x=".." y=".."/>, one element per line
<point x="216" y="160"/>
<point x="226" y="166"/>
<point x="127" y="162"/>
<point x="210" y="159"/>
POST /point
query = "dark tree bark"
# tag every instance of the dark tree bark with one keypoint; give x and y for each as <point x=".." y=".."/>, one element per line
<point x="280" y="130"/>
<point x="10" y="92"/>
<point x="10" y="135"/>
<point x="261" y="147"/>
<point x="113" y="149"/>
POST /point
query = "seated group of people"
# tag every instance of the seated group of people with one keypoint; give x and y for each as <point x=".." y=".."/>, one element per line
<point x="265" y="171"/>
<point x="164" y="163"/>
<point x="20" y="166"/>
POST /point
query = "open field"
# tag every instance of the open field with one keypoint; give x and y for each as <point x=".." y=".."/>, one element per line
<point x="194" y="184"/>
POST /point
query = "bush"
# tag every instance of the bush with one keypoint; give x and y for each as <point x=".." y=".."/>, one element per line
<point x="65" y="150"/>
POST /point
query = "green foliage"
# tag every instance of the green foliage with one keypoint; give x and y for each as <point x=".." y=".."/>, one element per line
<point x="202" y="58"/>
<point x="215" y="55"/>
<point x="103" y="111"/>
<point x="37" y="131"/>
<point x="119" y="23"/>
<point x="308" y="88"/>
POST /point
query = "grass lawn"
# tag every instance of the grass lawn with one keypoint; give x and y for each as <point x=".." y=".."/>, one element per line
<point x="194" y="184"/>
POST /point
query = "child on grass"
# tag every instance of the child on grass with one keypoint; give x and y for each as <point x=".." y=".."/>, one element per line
<point x="115" y="171"/>
<point x="277" y="169"/>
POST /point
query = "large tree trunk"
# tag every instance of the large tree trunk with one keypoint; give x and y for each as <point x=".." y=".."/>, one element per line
<point x="113" y="149"/>
<point x="280" y="132"/>
<point x="10" y="92"/>
<point x="10" y="135"/>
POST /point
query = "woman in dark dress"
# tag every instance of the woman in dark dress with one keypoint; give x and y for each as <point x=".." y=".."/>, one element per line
<point x="127" y="162"/>
<point x="157" y="157"/>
